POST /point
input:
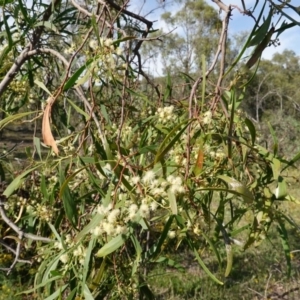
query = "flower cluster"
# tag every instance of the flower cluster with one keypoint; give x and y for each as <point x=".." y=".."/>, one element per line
<point x="71" y="49"/>
<point x="176" y="186"/>
<point x="207" y="117"/>
<point x="43" y="212"/>
<point x="106" y="44"/>
<point x="177" y="155"/>
<point x="166" y="114"/>
<point x="80" y="178"/>
<point x="107" y="64"/>
<point x="78" y="251"/>
<point x="126" y="133"/>
<point x="111" y="224"/>
<point x="152" y="192"/>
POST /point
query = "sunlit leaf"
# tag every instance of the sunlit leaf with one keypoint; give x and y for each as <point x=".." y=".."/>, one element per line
<point x="13" y="118"/>
<point x="87" y="260"/>
<point x="96" y="280"/>
<point x="48" y="25"/>
<point x="138" y="251"/>
<point x="261" y="32"/>
<point x="42" y="86"/>
<point x="16" y="183"/>
<point x="37" y="144"/>
<point x="97" y="218"/>
<point x="87" y="293"/>
<point x="251" y="129"/>
<point x="172" y="200"/>
<point x="79" y="110"/>
<point x="239" y="187"/>
<point x="229" y="253"/>
<point x="111" y="246"/>
<point x="281" y="189"/>
<point x="276" y="164"/>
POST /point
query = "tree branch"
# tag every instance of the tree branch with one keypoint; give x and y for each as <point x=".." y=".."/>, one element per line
<point x="221" y="49"/>
<point x="27" y="52"/>
<point x="21" y="235"/>
<point x="20" y="232"/>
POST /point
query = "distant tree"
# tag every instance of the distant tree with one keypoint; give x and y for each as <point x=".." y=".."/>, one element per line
<point x="197" y="26"/>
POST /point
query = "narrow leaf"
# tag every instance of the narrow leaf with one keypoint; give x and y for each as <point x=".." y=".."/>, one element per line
<point x="285" y="245"/>
<point x="127" y="38"/>
<point x="207" y="271"/>
<point x="167" y="144"/>
<point x="13" y="118"/>
<point x="15" y="184"/>
<point x="43" y="87"/>
<point x="155" y="249"/>
<point x="111" y="246"/>
<point x="87" y="259"/>
<point x="229" y="253"/>
<point x="238" y="187"/>
<point x="275" y="139"/>
<point x="37" y="144"/>
<point x="71" y="82"/>
<point x="261" y="31"/>
<point x="281" y="190"/>
<point x="8" y="32"/>
<point x="251" y="129"/>
<point x="98" y="277"/>
<point x="48" y="25"/>
<point x="79" y="110"/>
<point x="58" y="293"/>
<point x="93" y="223"/>
<point x="211" y="244"/>
<point x="290" y="163"/>
<point x="173" y="203"/>
<point x="68" y="201"/>
<point x="87" y="293"/>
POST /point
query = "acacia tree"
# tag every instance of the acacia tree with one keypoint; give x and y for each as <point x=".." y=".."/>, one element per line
<point x="126" y="178"/>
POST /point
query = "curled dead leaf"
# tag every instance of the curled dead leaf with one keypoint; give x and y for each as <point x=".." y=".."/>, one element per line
<point x="46" y="129"/>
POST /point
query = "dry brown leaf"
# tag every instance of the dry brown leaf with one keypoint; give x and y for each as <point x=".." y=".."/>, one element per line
<point x="46" y="129"/>
<point x="200" y="159"/>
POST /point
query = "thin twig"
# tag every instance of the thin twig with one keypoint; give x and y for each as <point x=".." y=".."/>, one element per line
<point x="15" y="228"/>
<point x="21" y="235"/>
<point x="27" y="51"/>
<point x="267" y="285"/>
<point x="255" y="292"/>
<point x="221" y="49"/>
